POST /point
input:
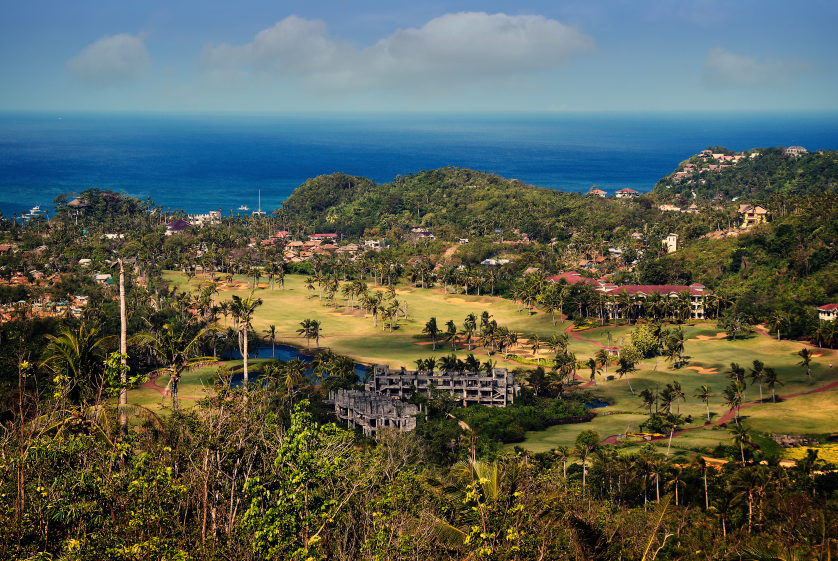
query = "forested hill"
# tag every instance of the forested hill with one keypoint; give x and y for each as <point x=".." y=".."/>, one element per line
<point x="761" y="174"/>
<point x="453" y="201"/>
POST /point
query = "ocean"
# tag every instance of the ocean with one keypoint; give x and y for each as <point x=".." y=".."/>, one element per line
<point x="208" y="162"/>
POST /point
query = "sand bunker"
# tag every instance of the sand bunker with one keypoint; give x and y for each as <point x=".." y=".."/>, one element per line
<point x="236" y="286"/>
<point x="720" y="335"/>
<point x="455" y="300"/>
<point x="702" y="370"/>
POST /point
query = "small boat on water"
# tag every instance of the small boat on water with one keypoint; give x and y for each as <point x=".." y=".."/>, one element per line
<point x="35" y="212"/>
<point x="244" y="208"/>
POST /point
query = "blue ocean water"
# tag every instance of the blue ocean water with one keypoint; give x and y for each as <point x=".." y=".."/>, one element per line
<point x="208" y="162"/>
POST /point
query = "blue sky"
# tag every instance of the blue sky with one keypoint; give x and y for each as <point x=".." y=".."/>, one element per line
<point x="287" y="56"/>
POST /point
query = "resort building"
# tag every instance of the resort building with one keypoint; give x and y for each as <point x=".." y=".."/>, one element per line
<point x="671" y="243"/>
<point x="371" y="412"/>
<point x="795" y="151"/>
<point x="497" y="389"/>
<point x="828" y="312"/>
<point x="594" y="192"/>
<point x="626" y="193"/>
<point x="752" y="214"/>
<point x="639" y="292"/>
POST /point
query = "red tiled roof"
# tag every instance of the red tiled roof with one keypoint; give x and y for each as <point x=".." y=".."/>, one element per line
<point x="828" y="307"/>
<point x="572" y="277"/>
<point x="663" y="289"/>
<point x="316" y="236"/>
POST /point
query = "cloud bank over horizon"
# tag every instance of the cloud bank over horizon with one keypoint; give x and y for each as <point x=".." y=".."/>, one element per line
<point x="450" y="49"/>
<point x="114" y="59"/>
<point x="724" y="69"/>
<point x="419" y="56"/>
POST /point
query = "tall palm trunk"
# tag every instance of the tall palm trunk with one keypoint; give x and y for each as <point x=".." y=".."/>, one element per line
<point x="123" y="349"/>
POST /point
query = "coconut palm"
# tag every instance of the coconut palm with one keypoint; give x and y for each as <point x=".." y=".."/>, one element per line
<point x="592" y="365"/>
<point x="624" y="368"/>
<point x="176" y="345"/>
<point x="704" y="393"/>
<point x="432" y="329"/>
<point x="758" y="375"/>
<point x="649" y="398"/>
<point x="469" y="329"/>
<point x="771" y="381"/>
<point x="76" y="359"/>
<point x="451" y="334"/>
<point x="243" y="310"/>
<point x="806" y="362"/>
<point x="271" y="331"/>
<point x="601" y="357"/>
<point x="741" y="436"/>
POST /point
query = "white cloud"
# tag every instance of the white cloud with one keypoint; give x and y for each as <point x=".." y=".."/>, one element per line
<point x="723" y="69"/>
<point x="452" y="49"/>
<point x="110" y="60"/>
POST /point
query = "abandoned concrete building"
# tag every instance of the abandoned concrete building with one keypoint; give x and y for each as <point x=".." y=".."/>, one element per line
<point x="372" y="412"/>
<point x="381" y="403"/>
<point x="497" y="389"/>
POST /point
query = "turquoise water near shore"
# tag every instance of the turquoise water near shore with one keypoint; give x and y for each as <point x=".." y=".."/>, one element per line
<point x="208" y="162"/>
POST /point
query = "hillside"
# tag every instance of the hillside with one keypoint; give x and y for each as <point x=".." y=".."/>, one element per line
<point x="457" y="202"/>
<point x="759" y="175"/>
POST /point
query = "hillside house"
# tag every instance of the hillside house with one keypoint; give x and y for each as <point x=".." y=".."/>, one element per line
<point x="752" y="215"/>
<point x="795" y="151"/>
<point x="828" y="312"/>
<point x="594" y="192"/>
<point x="671" y="243"/>
<point x="626" y="193"/>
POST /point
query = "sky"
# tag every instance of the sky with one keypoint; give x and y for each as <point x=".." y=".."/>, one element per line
<point x="287" y="56"/>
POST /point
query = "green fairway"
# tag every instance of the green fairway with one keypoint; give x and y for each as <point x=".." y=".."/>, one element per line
<point x="353" y="333"/>
<point x="708" y="355"/>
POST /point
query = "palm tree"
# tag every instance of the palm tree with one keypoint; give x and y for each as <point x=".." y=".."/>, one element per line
<point x="176" y="345"/>
<point x="592" y="365"/>
<point x="586" y="442"/>
<point x="806" y="355"/>
<point x="451" y="334"/>
<point x="733" y="398"/>
<point x="76" y="359"/>
<point x="601" y="357"/>
<point x="624" y="368"/>
<point x="678" y="395"/>
<point x="310" y="329"/>
<point x="778" y="320"/>
<point x="535" y="345"/>
<point x="563" y="452"/>
<point x="469" y="329"/>
<point x="271" y="331"/>
<point x="243" y="310"/>
<point x="649" y="399"/>
<point x="758" y="375"/>
<point x="432" y="329"/>
<point x="292" y="375"/>
<point x="771" y="380"/>
<point x="741" y="436"/>
<point x="704" y="393"/>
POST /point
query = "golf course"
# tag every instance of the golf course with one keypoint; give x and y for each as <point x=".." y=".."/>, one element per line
<point x="803" y="406"/>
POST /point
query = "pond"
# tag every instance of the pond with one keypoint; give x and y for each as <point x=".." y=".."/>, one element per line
<point x="284" y="353"/>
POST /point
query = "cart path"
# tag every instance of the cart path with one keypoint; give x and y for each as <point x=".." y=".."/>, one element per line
<point x="727" y="417"/>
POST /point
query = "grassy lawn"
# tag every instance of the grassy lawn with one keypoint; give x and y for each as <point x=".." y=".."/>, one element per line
<point x="353" y="333"/>
<point x="565" y="435"/>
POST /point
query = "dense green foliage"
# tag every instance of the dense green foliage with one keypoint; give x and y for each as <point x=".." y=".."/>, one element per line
<point x="508" y="424"/>
<point x="759" y="178"/>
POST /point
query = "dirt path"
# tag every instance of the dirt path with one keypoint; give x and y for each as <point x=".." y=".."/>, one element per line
<point x="727" y="417"/>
